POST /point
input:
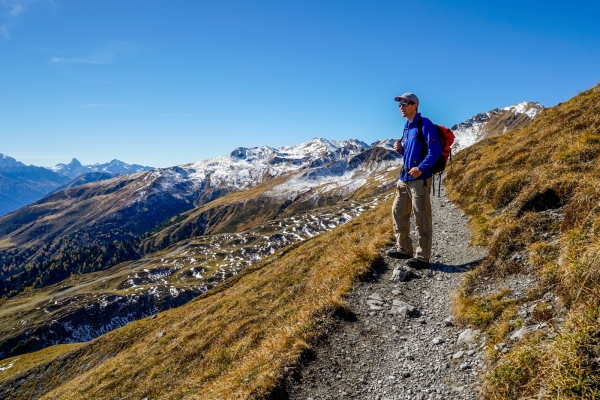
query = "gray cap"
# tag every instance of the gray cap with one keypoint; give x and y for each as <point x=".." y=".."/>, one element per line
<point x="408" y="96"/>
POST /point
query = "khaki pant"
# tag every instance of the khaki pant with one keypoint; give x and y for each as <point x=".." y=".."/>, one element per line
<point x="413" y="197"/>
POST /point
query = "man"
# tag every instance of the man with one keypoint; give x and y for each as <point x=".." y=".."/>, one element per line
<point x="420" y="150"/>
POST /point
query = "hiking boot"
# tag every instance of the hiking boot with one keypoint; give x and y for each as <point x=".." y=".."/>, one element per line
<point x="396" y="254"/>
<point x="416" y="263"/>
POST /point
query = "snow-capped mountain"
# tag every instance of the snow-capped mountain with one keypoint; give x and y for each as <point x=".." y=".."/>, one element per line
<point x="494" y="122"/>
<point x="386" y="144"/>
<point x="75" y="168"/>
<point x="246" y="167"/>
<point x="7" y="161"/>
<point x="139" y="201"/>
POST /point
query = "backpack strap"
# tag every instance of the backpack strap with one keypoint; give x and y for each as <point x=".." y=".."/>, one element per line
<point x="421" y="137"/>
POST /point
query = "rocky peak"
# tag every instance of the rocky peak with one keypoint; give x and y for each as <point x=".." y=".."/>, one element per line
<point x="494" y="122"/>
<point x="7" y="161"/>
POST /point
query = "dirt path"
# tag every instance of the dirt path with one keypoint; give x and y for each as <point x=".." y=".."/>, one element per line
<point x="376" y="354"/>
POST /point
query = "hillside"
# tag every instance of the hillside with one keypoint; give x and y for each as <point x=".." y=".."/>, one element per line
<point x="83" y="307"/>
<point x="232" y="342"/>
<point x="533" y="195"/>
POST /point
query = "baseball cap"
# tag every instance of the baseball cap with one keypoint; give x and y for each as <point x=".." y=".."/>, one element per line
<point x="408" y="96"/>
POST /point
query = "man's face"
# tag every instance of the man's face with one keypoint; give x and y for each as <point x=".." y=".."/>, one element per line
<point x="408" y="108"/>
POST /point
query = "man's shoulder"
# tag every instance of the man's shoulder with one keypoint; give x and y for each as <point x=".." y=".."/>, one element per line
<point x="426" y="123"/>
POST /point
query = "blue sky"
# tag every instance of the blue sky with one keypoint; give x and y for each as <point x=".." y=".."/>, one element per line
<point x="164" y="83"/>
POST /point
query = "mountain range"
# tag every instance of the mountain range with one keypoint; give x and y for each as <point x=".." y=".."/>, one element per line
<point x="21" y="184"/>
<point x="75" y="168"/>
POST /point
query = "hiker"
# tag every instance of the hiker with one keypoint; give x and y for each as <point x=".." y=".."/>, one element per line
<point x="414" y="184"/>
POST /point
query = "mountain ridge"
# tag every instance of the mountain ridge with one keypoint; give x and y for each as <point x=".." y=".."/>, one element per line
<point x="494" y="122"/>
<point x="74" y="168"/>
<point x="21" y="184"/>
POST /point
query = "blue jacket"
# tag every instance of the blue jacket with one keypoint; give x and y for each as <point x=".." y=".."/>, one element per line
<point x="418" y="152"/>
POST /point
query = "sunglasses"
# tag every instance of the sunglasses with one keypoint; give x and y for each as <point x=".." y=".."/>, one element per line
<point x="405" y="103"/>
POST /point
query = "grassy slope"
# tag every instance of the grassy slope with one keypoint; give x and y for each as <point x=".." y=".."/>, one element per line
<point x="503" y="182"/>
<point x="232" y="342"/>
<point x="83" y="289"/>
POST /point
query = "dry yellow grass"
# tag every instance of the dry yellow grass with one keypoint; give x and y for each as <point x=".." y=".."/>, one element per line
<point x="15" y="365"/>
<point x="234" y="341"/>
<point x="504" y="183"/>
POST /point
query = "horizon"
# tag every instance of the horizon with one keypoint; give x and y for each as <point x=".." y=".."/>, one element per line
<point x="168" y="84"/>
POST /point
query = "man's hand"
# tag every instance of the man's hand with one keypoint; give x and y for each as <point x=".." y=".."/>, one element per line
<point x="398" y="146"/>
<point x="414" y="172"/>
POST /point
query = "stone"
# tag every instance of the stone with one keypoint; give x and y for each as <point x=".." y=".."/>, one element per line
<point x="518" y="335"/>
<point x="464" y="366"/>
<point x="458" y="355"/>
<point x="523" y="313"/>
<point x="466" y="337"/>
<point x="448" y="322"/>
<point x="160" y="334"/>
<point x="401" y="308"/>
<point x="376" y="296"/>
<point x="500" y="346"/>
<point x="438" y="340"/>
<point x="398" y="275"/>
<point x="470" y="352"/>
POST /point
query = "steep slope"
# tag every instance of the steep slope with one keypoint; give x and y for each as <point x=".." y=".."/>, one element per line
<point x="494" y="122"/>
<point x="83" y="307"/>
<point x="533" y="194"/>
<point x="232" y="342"/>
<point x="236" y="339"/>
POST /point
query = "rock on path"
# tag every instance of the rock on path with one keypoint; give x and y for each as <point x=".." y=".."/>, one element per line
<point x="402" y="343"/>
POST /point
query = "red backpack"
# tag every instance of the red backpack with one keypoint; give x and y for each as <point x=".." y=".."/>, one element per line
<point x="446" y="137"/>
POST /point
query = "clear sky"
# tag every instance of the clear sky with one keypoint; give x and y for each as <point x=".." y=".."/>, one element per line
<point x="162" y="83"/>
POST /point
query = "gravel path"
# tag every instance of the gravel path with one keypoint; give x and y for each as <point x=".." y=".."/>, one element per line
<point x="388" y="350"/>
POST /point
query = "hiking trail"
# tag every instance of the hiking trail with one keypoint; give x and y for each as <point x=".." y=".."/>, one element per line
<point x="385" y="352"/>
